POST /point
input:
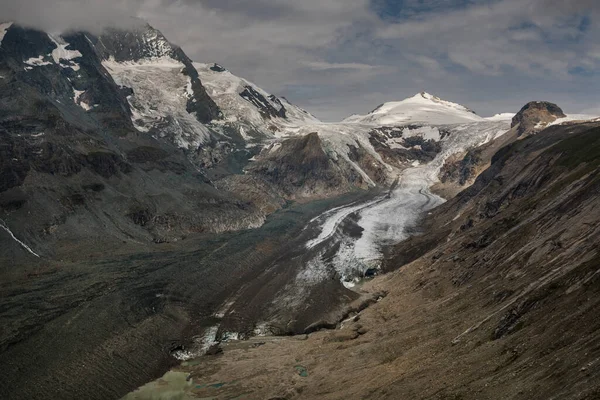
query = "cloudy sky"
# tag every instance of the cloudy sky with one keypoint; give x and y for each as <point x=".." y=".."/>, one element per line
<point x="339" y="57"/>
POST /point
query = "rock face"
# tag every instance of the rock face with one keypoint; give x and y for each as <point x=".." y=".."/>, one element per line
<point x="535" y="116"/>
<point x="300" y="168"/>
<point x="266" y="108"/>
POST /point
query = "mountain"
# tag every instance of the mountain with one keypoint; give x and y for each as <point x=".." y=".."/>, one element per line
<point x="535" y="116"/>
<point x="422" y="107"/>
<point x="81" y="162"/>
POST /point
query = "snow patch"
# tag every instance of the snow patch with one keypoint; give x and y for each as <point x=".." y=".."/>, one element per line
<point x="574" y="117"/>
<point x="77" y="99"/>
<point x="77" y="94"/>
<point x="62" y="53"/>
<point x="6" y="228"/>
<point x="36" y="62"/>
<point x="501" y="117"/>
<point x="86" y="106"/>
<point x="3" y="29"/>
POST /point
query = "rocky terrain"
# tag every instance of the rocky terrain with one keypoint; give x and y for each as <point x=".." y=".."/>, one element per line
<point x="496" y="298"/>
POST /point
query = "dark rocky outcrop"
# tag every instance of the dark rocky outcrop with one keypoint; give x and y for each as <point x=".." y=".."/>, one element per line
<point x="463" y="170"/>
<point x="300" y="167"/>
<point x="535" y="116"/>
<point x="217" y="68"/>
<point x="266" y="107"/>
<point x="409" y="149"/>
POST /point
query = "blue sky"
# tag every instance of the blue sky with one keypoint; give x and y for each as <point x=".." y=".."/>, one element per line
<point x="339" y="57"/>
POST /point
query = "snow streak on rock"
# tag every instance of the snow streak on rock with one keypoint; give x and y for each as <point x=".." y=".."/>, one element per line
<point x="4" y="227"/>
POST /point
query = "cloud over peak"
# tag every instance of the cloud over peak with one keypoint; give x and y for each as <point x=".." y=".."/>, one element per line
<point x="338" y="57"/>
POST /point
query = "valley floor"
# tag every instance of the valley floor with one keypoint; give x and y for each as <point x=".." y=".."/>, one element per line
<point x="99" y="327"/>
<point x="427" y="339"/>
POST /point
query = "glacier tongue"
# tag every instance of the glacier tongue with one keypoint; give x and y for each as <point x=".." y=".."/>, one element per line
<point x="387" y="219"/>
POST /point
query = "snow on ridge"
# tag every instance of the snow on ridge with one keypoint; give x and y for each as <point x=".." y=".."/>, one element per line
<point x="225" y="89"/>
<point x="4" y="27"/>
<point x="575" y="117"/>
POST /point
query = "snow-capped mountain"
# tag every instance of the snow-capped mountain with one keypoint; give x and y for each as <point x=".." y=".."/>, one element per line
<point x="152" y="109"/>
<point x="422" y="107"/>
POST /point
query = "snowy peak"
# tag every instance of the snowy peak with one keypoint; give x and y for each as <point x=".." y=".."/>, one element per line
<point x="249" y="107"/>
<point x="141" y="42"/>
<point x="422" y="107"/>
<point x="142" y="59"/>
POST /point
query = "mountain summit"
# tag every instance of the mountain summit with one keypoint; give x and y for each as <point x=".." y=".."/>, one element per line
<point x="422" y="107"/>
<point x="535" y="116"/>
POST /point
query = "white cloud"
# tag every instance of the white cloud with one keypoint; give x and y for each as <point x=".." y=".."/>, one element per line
<point x="321" y="65"/>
